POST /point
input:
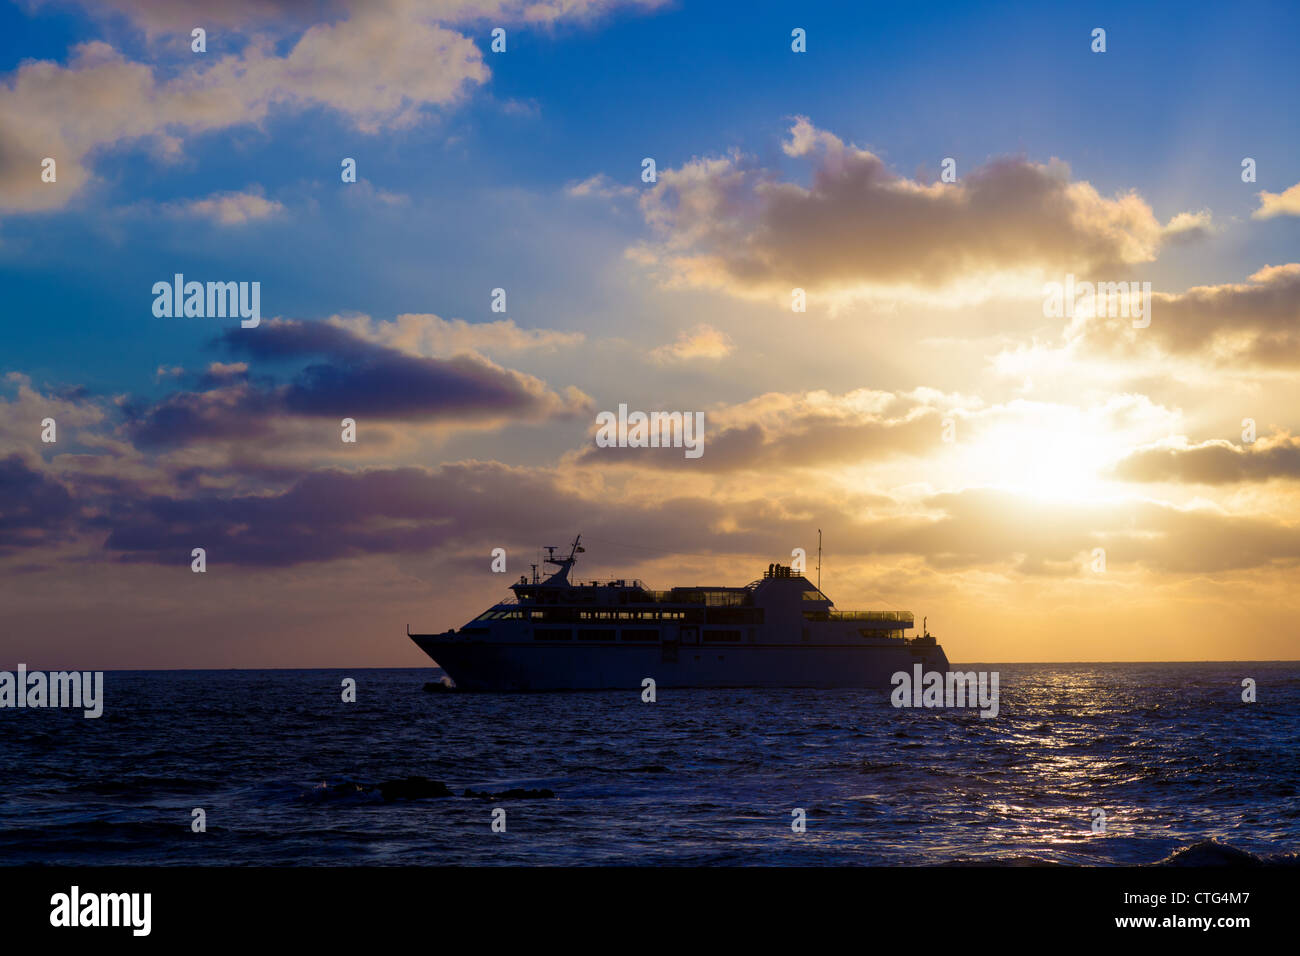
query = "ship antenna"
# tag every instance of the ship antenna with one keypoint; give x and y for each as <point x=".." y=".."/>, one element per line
<point x="819" y="559"/>
<point x="561" y="577"/>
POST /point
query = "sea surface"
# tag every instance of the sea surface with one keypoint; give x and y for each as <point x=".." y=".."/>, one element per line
<point x="288" y="774"/>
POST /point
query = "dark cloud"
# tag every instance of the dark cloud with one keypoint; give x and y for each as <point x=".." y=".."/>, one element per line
<point x="34" y="509"/>
<point x="403" y="387"/>
<point x="357" y="378"/>
<point x="364" y="378"/>
<point x="286" y="339"/>
<point x="330" y="514"/>
<point x="187" y="418"/>
<point x="1214" y="462"/>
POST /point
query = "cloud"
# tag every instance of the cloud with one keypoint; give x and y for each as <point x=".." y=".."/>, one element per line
<point x="429" y="335"/>
<point x="20" y="418"/>
<point x="598" y="186"/>
<point x="366" y="193"/>
<point x="100" y="98"/>
<point x="988" y="527"/>
<point x="379" y="67"/>
<point x="373" y="379"/>
<point x="703" y="341"/>
<point x="219" y="373"/>
<point x="328" y="514"/>
<point x="806" y="430"/>
<point x="378" y="64"/>
<point x="325" y="515"/>
<point x="236" y="412"/>
<point x="1255" y="322"/>
<point x="34" y="508"/>
<point x="166" y="16"/>
<point x="230" y="209"/>
<point x="728" y="223"/>
<point x="1214" y="462"/>
<point x="1189" y="227"/>
<point x="344" y="375"/>
<point x="143" y="508"/>
<point x="1285" y="203"/>
<point x="401" y="387"/>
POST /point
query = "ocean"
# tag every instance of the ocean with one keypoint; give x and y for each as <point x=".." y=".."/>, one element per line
<point x="286" y="773"/>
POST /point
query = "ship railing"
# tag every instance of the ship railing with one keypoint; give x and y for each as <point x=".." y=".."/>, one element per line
<point x="638" y="593"/>
<point x="736" y="598"/>
<point x="705" y="596"/>
<point x="891" y="616"/>
<point x="614" y="583"/>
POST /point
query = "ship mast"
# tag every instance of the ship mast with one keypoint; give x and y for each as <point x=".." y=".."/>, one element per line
<point x="562" y="576"/>
<point x="819" y="559"/>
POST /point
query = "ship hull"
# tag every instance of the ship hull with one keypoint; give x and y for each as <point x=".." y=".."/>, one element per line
<point x="497" y="666"/>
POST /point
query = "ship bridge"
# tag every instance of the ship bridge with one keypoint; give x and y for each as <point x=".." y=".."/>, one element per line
<point x="791" y="598"/>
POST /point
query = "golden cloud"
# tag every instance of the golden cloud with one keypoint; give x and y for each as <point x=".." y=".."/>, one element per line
<point x="731" y="224"/>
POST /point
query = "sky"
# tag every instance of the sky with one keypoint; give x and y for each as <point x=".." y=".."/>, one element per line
<point x="1042" y="484"/>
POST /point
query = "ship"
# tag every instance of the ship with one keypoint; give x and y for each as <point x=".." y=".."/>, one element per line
<point x="777" y="631"/>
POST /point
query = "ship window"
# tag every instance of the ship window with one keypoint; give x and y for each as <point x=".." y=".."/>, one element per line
<point x="644" y="634"/>
<point x="712" y="635"/>
<point x="596" y="634"/>
<point x="552" y="634"/>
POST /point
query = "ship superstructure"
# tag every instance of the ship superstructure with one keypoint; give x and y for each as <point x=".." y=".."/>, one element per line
<point x="777" y="631"/>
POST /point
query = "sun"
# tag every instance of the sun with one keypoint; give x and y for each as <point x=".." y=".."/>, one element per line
<point x="1059" y="455"/>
